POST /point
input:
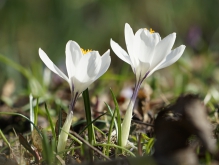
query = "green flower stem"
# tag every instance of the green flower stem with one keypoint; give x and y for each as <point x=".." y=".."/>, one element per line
<point x="88" y="116"/>
<point x="128" y="117"/>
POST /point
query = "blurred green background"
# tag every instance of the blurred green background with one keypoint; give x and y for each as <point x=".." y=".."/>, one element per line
<point x="27" y="25"/>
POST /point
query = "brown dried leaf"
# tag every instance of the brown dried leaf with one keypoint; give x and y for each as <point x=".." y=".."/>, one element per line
<point x="30" y="148"/>
<point x="175" y="124"/>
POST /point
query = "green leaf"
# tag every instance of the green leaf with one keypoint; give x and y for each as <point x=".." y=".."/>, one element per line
<point x="48" y="149"/>
<point x="119" y="133"/>
<point x="5" y="139"/>
<point x="35" y="86"/>
<point x="16" y="66"/>
<point x="149" y="145"/>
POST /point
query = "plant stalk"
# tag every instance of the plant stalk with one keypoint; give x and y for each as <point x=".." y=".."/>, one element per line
<point x="128" y="117"/>
<point x="63" y="137"/>
<point x="88" y="116"/>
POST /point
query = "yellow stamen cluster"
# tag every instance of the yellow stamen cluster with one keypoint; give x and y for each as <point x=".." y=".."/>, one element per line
<point x="151" y="30"/>
<point x="85" y="51"/>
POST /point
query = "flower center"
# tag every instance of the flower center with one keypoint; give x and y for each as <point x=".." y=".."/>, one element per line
<point x="85" y="51"/>
<point x="151" y="30"/>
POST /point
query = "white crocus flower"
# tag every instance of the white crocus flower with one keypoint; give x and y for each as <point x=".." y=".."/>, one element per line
<point x="146" y="54"/>
<point x="83" y="68"/>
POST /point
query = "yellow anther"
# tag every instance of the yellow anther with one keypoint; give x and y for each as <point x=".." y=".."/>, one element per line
<point x="151" y="30"/>
<point x="85" y="51"/>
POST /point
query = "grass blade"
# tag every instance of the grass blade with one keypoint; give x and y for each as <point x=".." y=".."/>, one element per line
<point x="119" y="133"/>
<point x="116" y="146"/>
<point x="5" y="139"/>
<point x="59" y="122"/>
<point x="113" y="114"/>
<point x="48" y="149"/>
<point x="36" y="110"/>
<point x="51" y="123"/>
<point x="92" y="122"/>
<point x="32" y="115"/>
<point x="113" y="118"/>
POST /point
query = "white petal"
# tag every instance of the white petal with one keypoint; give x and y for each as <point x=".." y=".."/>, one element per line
<point x="51" y="65"/>
<point x="80" y="86"/>
<point x="105" y="63"/>
<point x="136" y="49"/>
<point x="73" y="56"/>
<point x="172" y="57"/>
<point x="121" y="53"/>
<point x="162" y="49"/>
<point x="82" y="81"/>
<point x="156" y="37"/>
<point x="94" y="63"/>
<point x="88" y="67"/>
<point x="144" y="45"/>
<point x="129" y="39"/>
<point x="152" y="38"/>
<point x="87" y="70"/>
